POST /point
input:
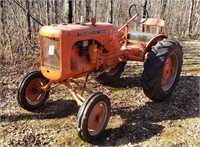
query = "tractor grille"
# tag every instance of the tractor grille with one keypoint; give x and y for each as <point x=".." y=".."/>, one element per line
<point x="51" y="52"/>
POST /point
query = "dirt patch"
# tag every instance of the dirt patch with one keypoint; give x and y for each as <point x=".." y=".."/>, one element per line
<point x="135" y="120"/>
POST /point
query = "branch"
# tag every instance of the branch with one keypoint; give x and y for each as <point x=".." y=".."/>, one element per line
<point x="28" y="13"/>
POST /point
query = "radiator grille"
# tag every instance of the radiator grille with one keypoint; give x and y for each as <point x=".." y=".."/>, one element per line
<point x="51" y="52"/>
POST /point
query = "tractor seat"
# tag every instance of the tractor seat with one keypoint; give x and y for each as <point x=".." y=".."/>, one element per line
<point x="141" y="36"/>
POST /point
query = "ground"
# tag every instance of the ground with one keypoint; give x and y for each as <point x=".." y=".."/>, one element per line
<point x="135" y="120"/>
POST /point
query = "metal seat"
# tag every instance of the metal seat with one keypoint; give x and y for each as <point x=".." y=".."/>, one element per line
<point x="143" y="37"/>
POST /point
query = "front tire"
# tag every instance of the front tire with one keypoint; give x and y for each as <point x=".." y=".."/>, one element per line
<point x="162" y="70"/>
<point x="93" y="117"/>
<point x="30" y="96"/>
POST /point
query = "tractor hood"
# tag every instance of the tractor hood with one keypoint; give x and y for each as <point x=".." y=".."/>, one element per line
<point x="78" y="31"/>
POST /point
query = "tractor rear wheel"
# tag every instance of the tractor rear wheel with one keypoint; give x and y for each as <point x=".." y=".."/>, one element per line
<point x="30" y="96"/>
<point x="162" y="70"/>
<point x="110" y="76"/>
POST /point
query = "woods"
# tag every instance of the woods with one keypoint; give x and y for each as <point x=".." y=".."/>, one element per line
<point x="135" y="120"/>
<point x="21" y="20"/>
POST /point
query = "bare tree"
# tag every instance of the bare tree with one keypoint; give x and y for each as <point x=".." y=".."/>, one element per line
<point x="2" y="6"/>
<point x="28" y="18"/>
<point x="56" y="10"/>
<point x="70" y="11"/>
<point x="163" y="7"/>
<point x="190" y="16"/>
<point x="47" y="12"/>
<point x="111" y="11"/>
<point x="88" y="9"/>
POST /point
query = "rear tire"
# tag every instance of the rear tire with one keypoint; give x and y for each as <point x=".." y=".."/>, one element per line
<point x="162" y="70"/>
<point x="111" y="76"/>
<point x="30" y="96"/>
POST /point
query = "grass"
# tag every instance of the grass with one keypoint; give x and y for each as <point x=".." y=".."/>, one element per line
<point x="135" y="120"/>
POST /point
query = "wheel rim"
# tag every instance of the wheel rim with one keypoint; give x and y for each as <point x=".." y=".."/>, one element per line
<point x="97" y="118"/>
<point x="34" y="93"/>
<point x="169" y="72"/>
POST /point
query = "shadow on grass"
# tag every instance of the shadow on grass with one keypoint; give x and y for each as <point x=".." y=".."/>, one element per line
<point x="127" y="82"/>
<point x="50" y="110"/>
<point x="138" y="124"/>
<point x="142" y="123"/>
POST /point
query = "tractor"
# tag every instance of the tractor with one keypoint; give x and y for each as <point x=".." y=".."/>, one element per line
<point x="99" y="51"/>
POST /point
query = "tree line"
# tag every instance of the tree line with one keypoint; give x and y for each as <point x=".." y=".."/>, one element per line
<point x="20" y="20"/>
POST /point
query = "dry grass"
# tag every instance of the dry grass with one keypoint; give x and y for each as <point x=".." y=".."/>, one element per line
<point x="135" y="120"/>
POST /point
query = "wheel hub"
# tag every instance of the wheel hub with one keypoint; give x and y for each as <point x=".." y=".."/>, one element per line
<point x="167" y="71"/>
<point x="96" y="117"/>
<point x="33" y="90"/>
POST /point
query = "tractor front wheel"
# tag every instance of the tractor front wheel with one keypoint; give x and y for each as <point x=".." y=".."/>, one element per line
<point x="93" y="117"/>
<point x="30" y="96"/>
<point x="162" y="70"/>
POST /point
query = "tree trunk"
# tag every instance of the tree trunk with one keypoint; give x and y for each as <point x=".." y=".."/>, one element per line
<point x="145" y="7"/>
<point x="56" y="11"/>
<point x="111" y="11"/>
<point x="144" y="12"/>
<point x="1" y="29"/>
<point x="190" y="17"/>
<point x="2" y="15"/>
<point x="28" y="18"/>
<point x="70" y="11"/>
<point x="88" y="9"/>
<point x="47" y="12"/>
<point x="163" y="6"/>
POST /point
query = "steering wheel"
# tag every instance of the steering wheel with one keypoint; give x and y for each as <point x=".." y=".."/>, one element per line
<point x="140" y="10"/>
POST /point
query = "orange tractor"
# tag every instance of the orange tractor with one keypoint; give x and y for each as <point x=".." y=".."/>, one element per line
<point x="100" y="51"/>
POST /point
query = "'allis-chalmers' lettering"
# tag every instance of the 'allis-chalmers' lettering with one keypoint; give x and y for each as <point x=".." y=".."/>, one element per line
<point x="89" y="33"/>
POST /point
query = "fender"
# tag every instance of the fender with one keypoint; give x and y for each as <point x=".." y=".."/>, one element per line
<point x="154" y="41"/>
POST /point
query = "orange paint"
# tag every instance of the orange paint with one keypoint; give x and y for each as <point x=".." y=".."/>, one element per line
<point x="167" y="71"/>
<point x="74" y="50"/>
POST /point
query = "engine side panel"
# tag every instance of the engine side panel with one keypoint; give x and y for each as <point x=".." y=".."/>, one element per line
<point x="71" y="62"/>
